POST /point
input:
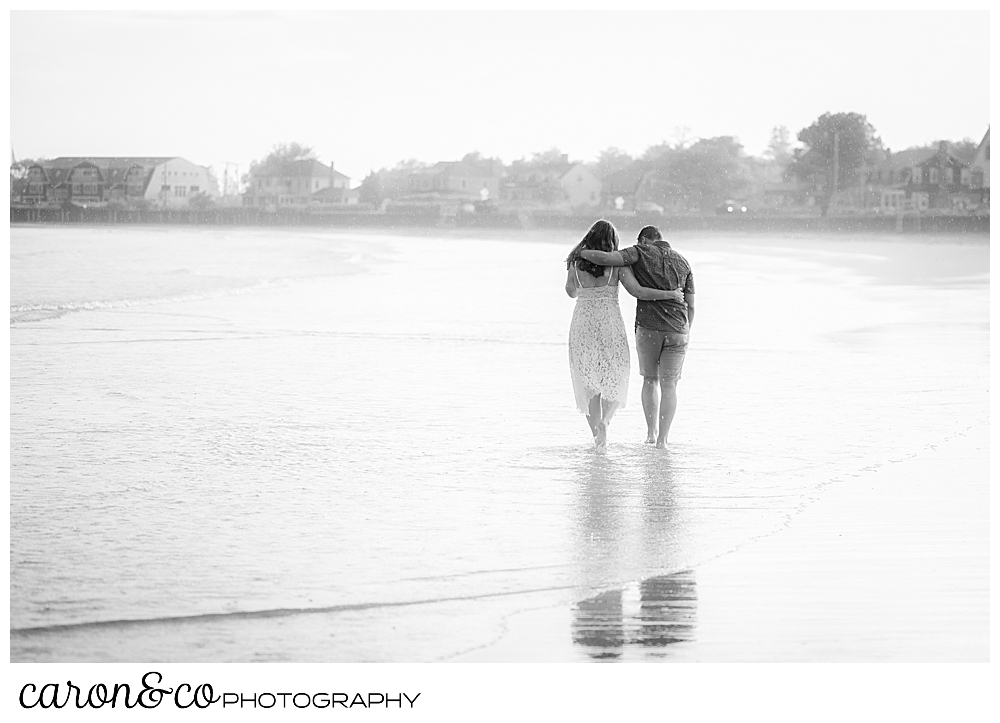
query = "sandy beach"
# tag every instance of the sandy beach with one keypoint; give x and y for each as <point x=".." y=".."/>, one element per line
<point x="272" y="446"/>
<point x="888" y="565"/>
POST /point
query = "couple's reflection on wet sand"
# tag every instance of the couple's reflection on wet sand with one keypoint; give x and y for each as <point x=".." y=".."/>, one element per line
<point x="652" y="614"/>
<point x="628" y="526"/>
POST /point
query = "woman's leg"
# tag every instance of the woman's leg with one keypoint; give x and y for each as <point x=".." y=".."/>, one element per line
<point x="608" y="409"/>
<point x="594" y="415"/>
<point x="598" y="425"/>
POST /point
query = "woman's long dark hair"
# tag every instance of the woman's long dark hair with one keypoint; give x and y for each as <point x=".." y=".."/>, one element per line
<point x="602" y="236"/>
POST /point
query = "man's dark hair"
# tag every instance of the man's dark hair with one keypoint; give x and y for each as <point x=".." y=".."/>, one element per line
<point x="650" y="232"/>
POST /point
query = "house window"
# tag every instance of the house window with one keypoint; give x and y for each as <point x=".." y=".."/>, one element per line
<point x="949" y="176"/>
<point x="918" y="175"/>
<point x="966" y="174"/>
<point x="977" y="178"/>
<point x="934" y="175"/>
<point x="90" y="188"/>
<point x="77" y="187"/>
<point x="164" y="188"/>
<point x="194" y="189"/>
<point x="180" y="191"/>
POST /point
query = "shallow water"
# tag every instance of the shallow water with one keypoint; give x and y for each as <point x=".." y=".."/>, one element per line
<point x="260" y="444"/>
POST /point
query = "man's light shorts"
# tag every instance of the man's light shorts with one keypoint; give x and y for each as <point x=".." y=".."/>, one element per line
<point x="661" y="353"/>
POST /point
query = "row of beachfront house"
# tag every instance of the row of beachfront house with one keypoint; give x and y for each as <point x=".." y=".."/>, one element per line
<point x="172" y="183"/>
<point x="929" y="179"/>
<point x="926" y="178"/>
<point x="918" y="179"/>
<point x="556" y="182"/>
<point x="933" y="178"/>
<point x="169" y="182"/>
<point x="308" y="183"/>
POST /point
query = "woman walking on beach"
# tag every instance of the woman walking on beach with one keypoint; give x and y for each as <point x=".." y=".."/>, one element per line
<point x="598" y="348"/>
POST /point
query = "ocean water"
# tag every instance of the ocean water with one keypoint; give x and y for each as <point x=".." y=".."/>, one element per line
<point x="234" y="444"/>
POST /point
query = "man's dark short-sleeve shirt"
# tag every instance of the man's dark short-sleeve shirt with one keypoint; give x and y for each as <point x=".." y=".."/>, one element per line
<point x="658" y="266"/>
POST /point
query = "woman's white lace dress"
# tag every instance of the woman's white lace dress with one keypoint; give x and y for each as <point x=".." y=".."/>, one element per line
<point x="598" y="347"/>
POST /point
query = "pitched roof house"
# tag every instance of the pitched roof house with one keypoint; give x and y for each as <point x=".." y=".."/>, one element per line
<point x="622" y="190"/>
<point x="296" y="183"/>
<point x="980" y="168"/>
<point x="558" y="181"/>
<point x="928" y="177"/>
<point x="169" y="181"/>
<point x="468" y="180"/>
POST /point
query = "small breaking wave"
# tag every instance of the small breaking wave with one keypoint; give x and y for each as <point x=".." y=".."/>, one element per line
<point x="22" y="313"/>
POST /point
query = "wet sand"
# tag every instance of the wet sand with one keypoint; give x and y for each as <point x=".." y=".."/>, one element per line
<point x="889" y="565"/>
<point x="827" y="510"/>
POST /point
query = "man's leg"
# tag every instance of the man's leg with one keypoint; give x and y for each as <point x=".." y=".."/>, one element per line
<point x="671" y="363"/>
<point x="651" y="406"/>
<point x="668" y="407"/>
<point x="648" y="345"/>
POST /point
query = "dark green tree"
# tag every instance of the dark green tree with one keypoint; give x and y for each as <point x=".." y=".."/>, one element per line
<point x="542" y="171"/>
<point x="200" y="200"/>
<point x="212" y="178"/>
<point x="964" y="149"/>
<point x="611" y="160"/>
<point x="371" y="190"/>
<point x="779" y="150"/>
<point x="855" y="140"/>
<point x="544" y="158"/>
<point x="659" y="154"/>
<point x="701" y="174"/>
<point x="395" y="181"/>
<point x="19" y="169"/>
<point x="280" y="159"/>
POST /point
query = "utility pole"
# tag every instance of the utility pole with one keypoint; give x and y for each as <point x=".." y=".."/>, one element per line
<point x="836" y="159"/>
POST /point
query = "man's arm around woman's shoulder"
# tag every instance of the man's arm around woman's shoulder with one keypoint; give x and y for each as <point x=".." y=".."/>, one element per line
<point x="604" y="258"/>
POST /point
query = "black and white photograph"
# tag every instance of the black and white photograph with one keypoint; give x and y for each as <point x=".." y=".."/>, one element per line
<point x="459" y="335"/>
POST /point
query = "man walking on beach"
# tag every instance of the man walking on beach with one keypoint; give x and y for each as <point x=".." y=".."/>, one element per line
<point x="661" y="327"/>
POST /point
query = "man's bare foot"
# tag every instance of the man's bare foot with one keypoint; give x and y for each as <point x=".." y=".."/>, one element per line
<point x="661" y="444"/>
<point x="650" y="439"/>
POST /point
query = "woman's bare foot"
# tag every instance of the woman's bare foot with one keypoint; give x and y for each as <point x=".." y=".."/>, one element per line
<point x="651" y="438"/>
<point x="661" y="444"/>
<point x="601" y="438"/>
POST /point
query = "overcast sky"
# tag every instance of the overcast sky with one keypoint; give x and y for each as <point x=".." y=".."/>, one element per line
<point x="368" y="89"/>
